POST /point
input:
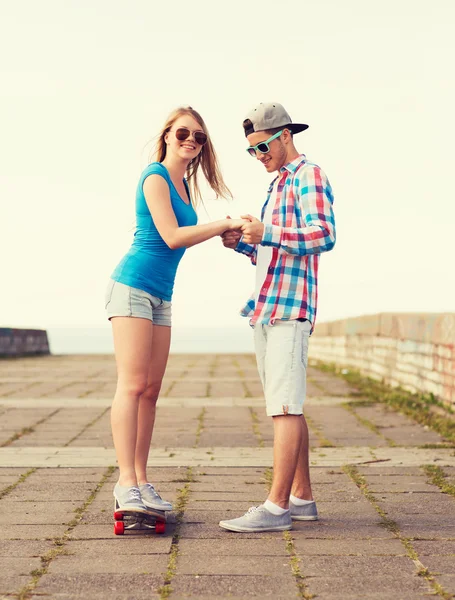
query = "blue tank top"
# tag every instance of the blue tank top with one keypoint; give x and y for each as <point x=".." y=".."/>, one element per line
<point x="150" y="265"/>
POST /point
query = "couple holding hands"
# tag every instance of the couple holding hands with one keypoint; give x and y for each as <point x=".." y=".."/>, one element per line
<point x="297" y="225"/>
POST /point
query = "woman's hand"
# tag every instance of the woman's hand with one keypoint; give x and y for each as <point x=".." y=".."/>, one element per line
<point x="232" y="234"/>
<point x="235" y="224"/>
<point x="231" y="238"/>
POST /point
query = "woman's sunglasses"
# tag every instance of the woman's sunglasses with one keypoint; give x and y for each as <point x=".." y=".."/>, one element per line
<point x="263" y="147"/>
<point x="182" y="133"/>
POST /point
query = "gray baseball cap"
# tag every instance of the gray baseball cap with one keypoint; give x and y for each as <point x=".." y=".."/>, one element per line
<point x="268" y="115"/>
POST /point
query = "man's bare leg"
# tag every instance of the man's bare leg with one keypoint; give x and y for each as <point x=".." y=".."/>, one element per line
<point x="288" y="434"/>
<point x="301" y="486"/>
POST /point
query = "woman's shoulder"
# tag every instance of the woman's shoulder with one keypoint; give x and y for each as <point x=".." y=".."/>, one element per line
<point x="155" y="168"/>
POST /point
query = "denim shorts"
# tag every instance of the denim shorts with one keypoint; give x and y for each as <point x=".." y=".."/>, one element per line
<point x="125" y="301"/>
<point x="282" y="359"/>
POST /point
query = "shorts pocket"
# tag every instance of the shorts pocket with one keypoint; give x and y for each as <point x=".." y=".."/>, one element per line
<point x="108" y="294"/>
<point x="155" y="301"/>
<point x="304" y="348"/>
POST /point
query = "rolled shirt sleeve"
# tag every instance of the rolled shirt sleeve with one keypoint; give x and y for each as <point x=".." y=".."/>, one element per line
<point x="249" y="250"/>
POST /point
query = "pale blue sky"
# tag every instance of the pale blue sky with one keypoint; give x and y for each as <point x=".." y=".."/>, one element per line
<point x="85" y="85"/>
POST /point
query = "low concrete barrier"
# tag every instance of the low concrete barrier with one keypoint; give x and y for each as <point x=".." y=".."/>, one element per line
<point x="23" y="342"/>
<point x="412" y="350"/>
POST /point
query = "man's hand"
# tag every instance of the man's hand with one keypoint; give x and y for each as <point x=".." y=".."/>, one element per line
<point x="252" y="231"/>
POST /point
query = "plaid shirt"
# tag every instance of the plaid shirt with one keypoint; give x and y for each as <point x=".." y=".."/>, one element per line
<point x="303" y="226"/>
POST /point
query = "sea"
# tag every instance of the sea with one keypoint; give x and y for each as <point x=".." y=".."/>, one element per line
<point x="98" y="340"/>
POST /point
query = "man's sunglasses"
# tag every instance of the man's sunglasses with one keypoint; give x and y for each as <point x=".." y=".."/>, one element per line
<point x="182" y="133"/>
<point x="263" y="147"/>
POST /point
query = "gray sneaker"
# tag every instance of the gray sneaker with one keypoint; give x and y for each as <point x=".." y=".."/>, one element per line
<point x="305" y="512"/>
<point x="258" y="518"/>
<point x="128" y="499"/>
<point x="152" y="499"/>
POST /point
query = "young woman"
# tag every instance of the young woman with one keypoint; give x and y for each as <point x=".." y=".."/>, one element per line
<point x="138" y="298"/>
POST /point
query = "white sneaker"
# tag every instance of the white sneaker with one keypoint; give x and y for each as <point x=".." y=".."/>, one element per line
<point x="128" y="498"/>
<point x="152" y="499"/>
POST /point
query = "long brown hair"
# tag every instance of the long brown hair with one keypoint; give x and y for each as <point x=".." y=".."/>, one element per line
<point x="206" y="158"/>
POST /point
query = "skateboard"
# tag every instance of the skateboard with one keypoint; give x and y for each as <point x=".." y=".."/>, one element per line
<point x="127" y="520"/>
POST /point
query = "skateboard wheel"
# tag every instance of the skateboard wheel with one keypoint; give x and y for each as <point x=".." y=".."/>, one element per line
<point x="119" y="528"/>
<point x="160" y="527"/>
<point x="118" y="516"/>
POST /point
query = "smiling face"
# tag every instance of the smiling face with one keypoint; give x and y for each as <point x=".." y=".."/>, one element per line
<point x="279" y="152"/>
<point x="186" y="149"/>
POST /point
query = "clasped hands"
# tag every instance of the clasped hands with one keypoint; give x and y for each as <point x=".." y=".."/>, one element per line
<point x="247" y="226"/>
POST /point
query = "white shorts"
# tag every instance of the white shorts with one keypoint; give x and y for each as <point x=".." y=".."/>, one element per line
<point x="282" y="359"/>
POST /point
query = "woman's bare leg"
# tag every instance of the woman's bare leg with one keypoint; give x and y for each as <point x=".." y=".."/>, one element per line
<point x="147" y="404"/>
<point x="133" y="349"/>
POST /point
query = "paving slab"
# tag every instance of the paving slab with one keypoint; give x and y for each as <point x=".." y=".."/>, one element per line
<point x="391" y="587"/>
<point x="362" y="567"/>
<point x="447" y="582"/>
<point x="212" y="564"/>
<point x="440" y="564"/>
<point x="239" y="547"/>
<point x="130" y="544"/>
<point x="384" y="594"/>
<point x="9" y="584"/>
<point x="31" y="532"/>
<point x="272" y="586"/>
<point x="20" y="565"/>
<point x="348" y="547"/>
<point x="25" y="548"/>
<point x="100" y="564"/>
<point x="435" y="548"/>
<point x="101" y="586"/>
<point x="341" y="528"/>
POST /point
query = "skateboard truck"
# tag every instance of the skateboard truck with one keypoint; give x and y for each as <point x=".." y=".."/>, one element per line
<point x="126" y="520"/>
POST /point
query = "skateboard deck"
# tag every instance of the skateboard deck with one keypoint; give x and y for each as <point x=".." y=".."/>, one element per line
<point x="128" y="520"/>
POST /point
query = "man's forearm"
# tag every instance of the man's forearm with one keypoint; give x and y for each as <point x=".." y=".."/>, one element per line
<point x="314" y="239"/>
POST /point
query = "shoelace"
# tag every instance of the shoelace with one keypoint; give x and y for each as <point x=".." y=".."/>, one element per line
<point x="153" y="491"/>
<point x="252" y="510"/>
<point x="134" y="494"/>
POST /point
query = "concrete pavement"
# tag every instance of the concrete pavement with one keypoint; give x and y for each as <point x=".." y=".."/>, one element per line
<point x="387" y="526"/>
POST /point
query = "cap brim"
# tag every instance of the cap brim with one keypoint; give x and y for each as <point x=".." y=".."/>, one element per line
<point x="297" y="127"/>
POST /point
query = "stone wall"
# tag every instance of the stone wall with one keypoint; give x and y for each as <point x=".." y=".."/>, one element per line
<point x="415" y="351"/>
<point x="23" y="342"/>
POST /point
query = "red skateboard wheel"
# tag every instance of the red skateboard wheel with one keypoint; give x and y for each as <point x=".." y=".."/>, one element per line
<point x="160" y="527"/>
<point x="118" y="516"/>
<point x="119" y="528"/>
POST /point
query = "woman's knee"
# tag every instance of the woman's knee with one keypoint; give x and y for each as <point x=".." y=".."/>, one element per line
<point x="133" y="388"/>
<point x="152" y="391"/>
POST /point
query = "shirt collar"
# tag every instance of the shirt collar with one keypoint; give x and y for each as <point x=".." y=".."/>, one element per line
<point x="290" y="167"/>
<point x="294" y="165"/>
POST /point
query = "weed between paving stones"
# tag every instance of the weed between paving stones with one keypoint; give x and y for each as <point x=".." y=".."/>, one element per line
<point x="439" y="478"/>
<point x="392" y="526"/>
<point x="302" y="588"/>
<point x="182" y="500"/>
<point x="417" y="406"/>
<point x="27" y="430"/>
<point x="21" y="479"/>
<point x="256" y="430"/>
<point x="200" y="427"/>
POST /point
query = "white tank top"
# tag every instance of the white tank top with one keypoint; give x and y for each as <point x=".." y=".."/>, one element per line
<point x="264" y="253"/>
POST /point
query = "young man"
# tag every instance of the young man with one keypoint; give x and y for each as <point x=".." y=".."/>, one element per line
<point x="297" y="225"/>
